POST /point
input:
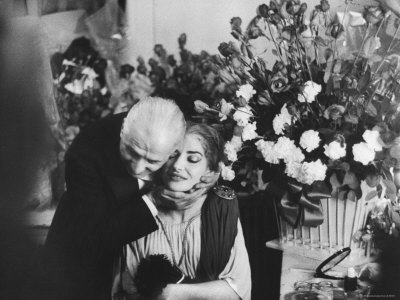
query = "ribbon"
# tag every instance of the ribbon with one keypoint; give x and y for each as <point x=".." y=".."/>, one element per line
<point x="302" y="205"/>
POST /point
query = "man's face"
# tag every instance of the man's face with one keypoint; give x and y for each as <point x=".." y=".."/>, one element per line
<point x="145" y="153"/>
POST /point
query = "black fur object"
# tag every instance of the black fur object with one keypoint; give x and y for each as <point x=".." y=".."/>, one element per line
<point x="153" y="275"/>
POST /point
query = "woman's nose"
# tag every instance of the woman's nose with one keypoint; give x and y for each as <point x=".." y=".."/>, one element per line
<point x="179" y="164"/>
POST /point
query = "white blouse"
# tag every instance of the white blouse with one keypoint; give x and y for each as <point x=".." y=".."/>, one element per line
<point x="236" y="273"/>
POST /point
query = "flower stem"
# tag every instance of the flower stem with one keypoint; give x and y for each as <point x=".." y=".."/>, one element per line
<point x="273" y="40"/>
<point x="362" y="44"/>
<point x="388" y="50"/>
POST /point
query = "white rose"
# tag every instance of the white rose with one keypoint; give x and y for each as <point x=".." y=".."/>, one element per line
<point x="249" y="132"/>
<point x="242" y="115"/>
<point x="309" y="140"/>
<point x="246" y="91"/>
<point x="363" y="153"/>
<point x="372" y="139"/>
<point x="311" y="89"/>
<point x="227" y="173"/>
<point x="268" y="151"/>
<point x="335" y="150"/>
<point x="230" y="151"/>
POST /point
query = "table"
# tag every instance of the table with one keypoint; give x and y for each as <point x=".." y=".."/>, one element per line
<point x="299" y="268"/>
<point x="300" y="261"/>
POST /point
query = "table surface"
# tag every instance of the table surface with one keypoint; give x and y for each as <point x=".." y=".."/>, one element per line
<point x="299" y="268"/>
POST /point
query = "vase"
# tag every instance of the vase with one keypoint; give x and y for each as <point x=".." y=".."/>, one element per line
<point x="342" y="219"/>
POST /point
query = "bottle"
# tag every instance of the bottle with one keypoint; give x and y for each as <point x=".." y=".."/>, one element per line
<point x="350" y="281"/>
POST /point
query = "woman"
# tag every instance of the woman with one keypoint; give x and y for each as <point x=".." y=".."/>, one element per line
<point x="204" y="241"/>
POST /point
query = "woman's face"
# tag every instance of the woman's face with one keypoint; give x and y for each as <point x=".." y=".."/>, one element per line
<point x="182" y="171"/>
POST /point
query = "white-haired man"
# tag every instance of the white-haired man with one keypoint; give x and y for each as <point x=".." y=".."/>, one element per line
<point x="108" y="168"/>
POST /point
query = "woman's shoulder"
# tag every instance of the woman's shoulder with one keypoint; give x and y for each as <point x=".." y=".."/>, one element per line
<point x="221" y="198"/>
<point x="223" y="192"/>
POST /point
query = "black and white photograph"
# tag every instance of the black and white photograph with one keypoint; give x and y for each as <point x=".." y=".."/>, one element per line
<point x="199" y="149"/>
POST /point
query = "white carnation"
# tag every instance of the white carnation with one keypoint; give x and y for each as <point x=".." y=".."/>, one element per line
<point x="230" y="151"/>
<point x="279" y="124"/>
<point x="242" y="115"/>
<point x="267" y="149"/>
<point x="227" y="173"/>
<point x="363" y="153"/>
<point x="286" y="115"/>
<point x="246" y="91"/>
<point x="335" y="150"/>
<point x="312" y="171"/>
<point x="309" y="140"/>
<point x="311" y="89"/>
<point x="296" y="156"/>
<point x="285" y="148"/>
<point x="282" y="119"/>
<point x="249" y="132"/>
<point x="372" y="139"/>
<point x="293" y="169"/>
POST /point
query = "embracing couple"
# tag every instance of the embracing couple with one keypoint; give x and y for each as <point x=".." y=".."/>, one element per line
<point x="140" y="218"/>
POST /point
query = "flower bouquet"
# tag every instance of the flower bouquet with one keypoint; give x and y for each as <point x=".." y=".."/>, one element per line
<point x="318" y="126"/>
<point x="80" y="88"/>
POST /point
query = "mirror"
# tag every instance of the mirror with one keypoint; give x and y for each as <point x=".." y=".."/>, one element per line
<point x="330" y="263"/>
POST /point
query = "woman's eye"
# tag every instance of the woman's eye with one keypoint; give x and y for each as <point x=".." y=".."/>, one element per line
<point x="194" y="158"/>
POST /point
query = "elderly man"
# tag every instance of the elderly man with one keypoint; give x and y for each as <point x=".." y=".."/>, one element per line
<point x="109" y="167"/>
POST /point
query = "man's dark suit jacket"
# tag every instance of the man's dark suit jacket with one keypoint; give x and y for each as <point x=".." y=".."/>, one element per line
<point x="101" y="210"/>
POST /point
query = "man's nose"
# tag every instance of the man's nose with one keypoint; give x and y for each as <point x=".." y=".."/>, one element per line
<point x="139" y="166"/>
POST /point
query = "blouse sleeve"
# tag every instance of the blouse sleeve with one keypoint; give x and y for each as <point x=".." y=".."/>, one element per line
<point x="237" y="271"/>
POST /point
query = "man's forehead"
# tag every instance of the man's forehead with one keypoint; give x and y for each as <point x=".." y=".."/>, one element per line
<point x="155" y="144"/>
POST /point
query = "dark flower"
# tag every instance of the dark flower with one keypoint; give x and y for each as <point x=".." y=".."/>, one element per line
<point x="171" y="60"/>
<point x="227" y="49"/>
<point x="292" y="7"/>
<point x="324" y="5"/>
<point x="159" y="50"/>
<point x="334" y="112"/>
<point x="262" y="10"/>
<point x="303" y="8"/>
<point x="373" y="15"/>
<point x="236" y="22"/>
<point x="125" y="71"/>
<point x="182" y="40"/>
<point x="279" y="83"/>
<point x="254" y="32"/>
<point x="335" y="30"/>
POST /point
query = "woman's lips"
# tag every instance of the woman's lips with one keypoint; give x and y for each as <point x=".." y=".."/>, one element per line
<point x="177" y="177"/>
